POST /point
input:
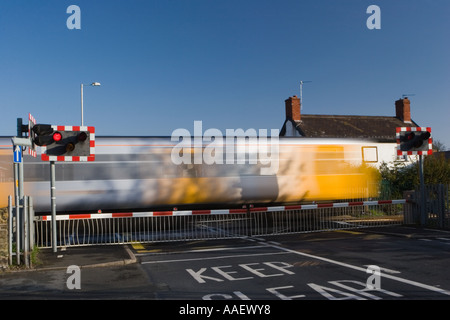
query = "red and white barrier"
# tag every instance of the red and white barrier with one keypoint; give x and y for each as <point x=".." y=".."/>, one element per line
<point x="219" y="211"/>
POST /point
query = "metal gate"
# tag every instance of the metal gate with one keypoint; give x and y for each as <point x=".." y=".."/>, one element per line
<point x="120" y="228"/>
<point x="437" y="206"/>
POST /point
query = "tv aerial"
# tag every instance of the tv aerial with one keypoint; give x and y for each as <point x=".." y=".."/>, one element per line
<point x="301" y="92"/>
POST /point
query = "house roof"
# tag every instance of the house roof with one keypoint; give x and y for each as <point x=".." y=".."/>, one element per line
<point x="377" y="128"/>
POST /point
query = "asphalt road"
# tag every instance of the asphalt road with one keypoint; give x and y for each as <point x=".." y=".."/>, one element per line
<point x="332" y="266"/>
<point x="335" y="265"/>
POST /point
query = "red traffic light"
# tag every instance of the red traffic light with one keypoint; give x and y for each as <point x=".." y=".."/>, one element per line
<point x="57" y="136"/>
<point x="82" y="136"/>
<point x="70" y="147"/>
<point x="65" y="143"/>
<point x="414" y="141"/>
<point x="410" y="136"/>
<point x="425" y="135"/>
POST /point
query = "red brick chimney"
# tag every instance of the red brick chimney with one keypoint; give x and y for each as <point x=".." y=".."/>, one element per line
<point x="403" y="109"/>
<point x="293" y="108"/>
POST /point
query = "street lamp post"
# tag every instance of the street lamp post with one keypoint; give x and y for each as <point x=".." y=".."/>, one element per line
<point x="93" y="84"/>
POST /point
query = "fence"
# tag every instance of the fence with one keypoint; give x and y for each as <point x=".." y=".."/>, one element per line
<point x="20" y="230"/>
<point x="119" y="228"/>
<point x="437" y="206"/>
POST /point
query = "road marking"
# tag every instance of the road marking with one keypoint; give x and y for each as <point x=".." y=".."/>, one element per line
<point x="137" y="246"/>
<point x="385" y="270"/>
<point x="223" y="249"/>
<point x="213" y="258"/>
<point x="157" y="251"/>
<point x="442" y="239"/>
<point x="410" y="282"/>
<point x="348" y="231"/>
<point x="291" y="251"/>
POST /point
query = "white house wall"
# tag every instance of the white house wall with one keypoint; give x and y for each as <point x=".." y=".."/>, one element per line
<point x="385" y="152"/>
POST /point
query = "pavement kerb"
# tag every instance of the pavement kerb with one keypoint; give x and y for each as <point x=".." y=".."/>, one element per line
<point x="103" y="264"/>
<point x="114" y="263"/>
<point x="119" y="262"/>
<point x="425" y="233"/>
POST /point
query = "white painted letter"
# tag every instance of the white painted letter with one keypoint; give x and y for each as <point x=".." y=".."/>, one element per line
<point x="226" y="275"/>
<point x="200" y="277"/>
<point x="374" y="281"/>
<point x="276" y="292"/>
<point x="74" y="281"/>
<point x="325" y="291"/>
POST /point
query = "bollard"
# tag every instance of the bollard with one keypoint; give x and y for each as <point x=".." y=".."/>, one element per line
<point x="17" y="227"/>
<point x="31" y="222"/>
<point x="10" y="230"/>
<point x="25" y="232"/>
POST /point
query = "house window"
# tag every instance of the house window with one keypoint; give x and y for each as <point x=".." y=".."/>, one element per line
<point x="369" y="154"/>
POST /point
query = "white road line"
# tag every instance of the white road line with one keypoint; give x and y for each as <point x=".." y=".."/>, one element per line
<point x="385" y="270"/>
<point x="442" y="239"/>
<point x="197" y="250"/>
<point x="223" y="249"/>
<point x="410" y="282"/>
<point x="212" y="258"/>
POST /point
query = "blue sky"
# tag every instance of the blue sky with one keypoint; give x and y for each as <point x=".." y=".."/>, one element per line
<point x="163" y="64"/>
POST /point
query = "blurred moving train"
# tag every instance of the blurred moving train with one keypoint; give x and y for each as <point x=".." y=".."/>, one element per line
<point x="138" y="173"/>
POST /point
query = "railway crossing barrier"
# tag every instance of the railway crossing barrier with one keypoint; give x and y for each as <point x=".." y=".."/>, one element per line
<point x="159" y="226"/>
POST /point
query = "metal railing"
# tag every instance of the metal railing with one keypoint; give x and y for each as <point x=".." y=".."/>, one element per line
<point x="437" y="206"/>
<point x="120" y="228"/>
<point x="20" y="234"/>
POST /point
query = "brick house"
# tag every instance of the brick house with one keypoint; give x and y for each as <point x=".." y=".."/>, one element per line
<point x="378" y="131"/>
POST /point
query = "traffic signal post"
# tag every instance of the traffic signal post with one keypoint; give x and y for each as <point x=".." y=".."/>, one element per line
<point x="53" y="205"/>
<point x="62" y="143"/>
<point x="416" y="141"/>
<point x="22" y="220"/>
<point x="57" y="143"/>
